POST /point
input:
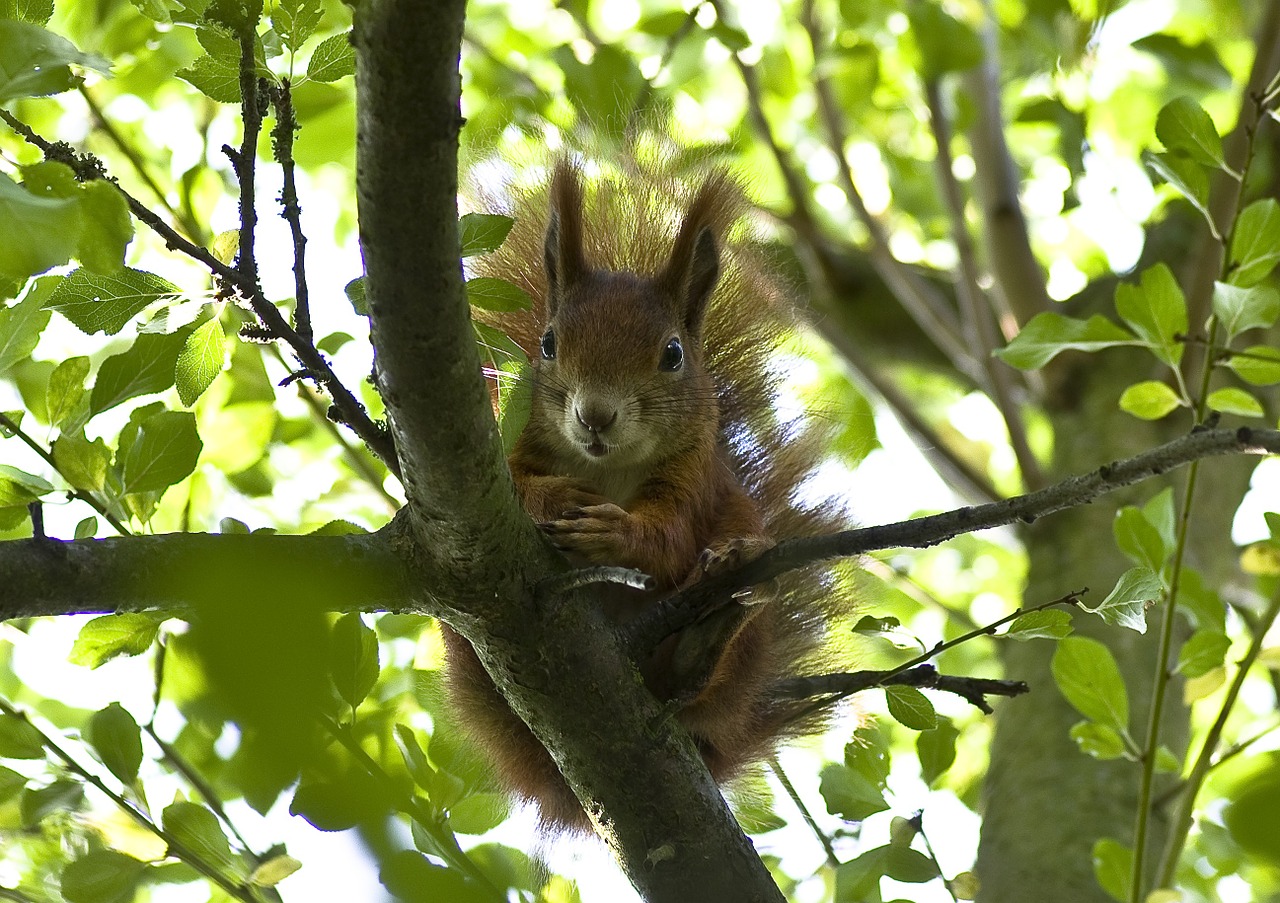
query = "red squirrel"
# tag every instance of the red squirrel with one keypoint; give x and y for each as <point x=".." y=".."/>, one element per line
<point x="653" y="442"/>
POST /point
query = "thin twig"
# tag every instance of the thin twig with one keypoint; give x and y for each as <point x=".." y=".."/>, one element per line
<point x="676" y="612"/>
<point x="103" y="124"/>
<point x="282" y="140"/>
<point x="350" y="410"/>
<point x="84" y="495"/>
<point x="776" y="767"/>
<point x="979" y="318"/>
<point x="1018" y="276"/>
<point x="1180" y="823"/>
<point x="245" y="160"/>
<point x="562" y="583"/>
<point x="177" y="848"/>
<point x="926" y="307"/>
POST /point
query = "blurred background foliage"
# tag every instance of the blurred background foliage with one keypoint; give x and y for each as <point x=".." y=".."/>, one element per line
<point x="167" y="717"/>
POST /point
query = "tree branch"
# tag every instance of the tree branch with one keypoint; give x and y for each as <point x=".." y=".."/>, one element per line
<point x="1017" y="273"/>
<point x="349" y="410"/>
<point x="678" y="611"/>
<point x="973" y="301"/>
<point x="178" y="571"/>
<point x="974" y="689"/>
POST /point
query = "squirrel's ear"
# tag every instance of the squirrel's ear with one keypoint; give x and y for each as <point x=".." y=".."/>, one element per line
<point x="563" y="249"/>
<point x="692" y="271"/>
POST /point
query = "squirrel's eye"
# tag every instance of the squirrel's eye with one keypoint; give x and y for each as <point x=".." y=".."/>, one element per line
<point x="549" y="346"/>
<point x="672" y="356"/>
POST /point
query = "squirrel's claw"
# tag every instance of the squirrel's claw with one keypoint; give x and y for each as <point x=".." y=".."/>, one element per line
<point x="597" y="533"/>
<point x="727" y="555"/>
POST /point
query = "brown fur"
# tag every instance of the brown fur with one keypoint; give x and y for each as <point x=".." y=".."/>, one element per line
<point x="703" y="474"/>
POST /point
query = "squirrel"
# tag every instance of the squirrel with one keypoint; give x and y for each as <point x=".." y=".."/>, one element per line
<point x="654" y="442"/>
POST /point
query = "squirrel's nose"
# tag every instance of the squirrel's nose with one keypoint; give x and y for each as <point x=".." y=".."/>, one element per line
<point x="596" y="419"/>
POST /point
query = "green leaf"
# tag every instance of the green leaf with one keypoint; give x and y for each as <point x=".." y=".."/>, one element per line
<point x="488" y="293"/>
<point x="1098" y="740"/>
<point x="515" y="401"/>
<point x="849" y="794"/>
<point x="214" y="76"/>
<point x="868" y="754"/>
<point x="11" y="783"/>
<point x="160" y="451"/>
<point x="1202" y="652"/>
<point x="1184" y="127"/>
<point x="17" y="487"/>
<point x="41" y="232"/>
<point x="197" y="829"/>
<point x="410" y="876"/>
<point x="1167" y="762"/>
<point x="1238" y="308"/>
<point x="1049" y="624"/>
<point x="157" y="10"/>
<point x="936" y="750"/>
<point x="1186" y="176"/>
<point x="116" y="738"/>
<point x="1113" y="867"/>
<point x="483" y="232"/>
<point x="1086" y="673"/>
<point x="1235" y="401"/>
<point x="1257" y="364"/>
<point x="1250" y="815"/>
<point x="1149" y="400"/>
<point x="38" y="803"/>
<point x="108" y="228"/>
<point x="858" y="879"/>
<point x="20" y="329"/>
<point x="19" y="739"/>
<point x="734" y="39"/>
<point x="479" y="812"/>
<point x="1049" y="334"/>
<point x="1126" y="605"/>
<point x="911" y="708"/>
<point x="104" y="638"/>
<point x="353" y="658"/>
<point x="274" y="870"/>
<point x="355" y="292"/>
<point x="333" y="59"/>
<point x="149" y="366"/>
<point x="1156" y="310"/>
<point x="87" y="528"/>
<point x="1160" y="514"/>
<point x="82" y="463"/>
<point x="200" y="361"/>
<point x="297" y="20"/>
<point x="98" y="303"/>
<point x="1138" y="538"/>
<point x="66" y="389"/>
<point x="37" y="12"/>
<point x="908" y="865"/>
<point x="35" y="62"/>
<point x="604" y="90"/>
<point x="1255" y="243"/>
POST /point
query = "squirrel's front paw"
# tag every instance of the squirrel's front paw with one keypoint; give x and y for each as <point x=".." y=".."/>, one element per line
<point x="596" y="533"/>
<point x="730" y="553"/>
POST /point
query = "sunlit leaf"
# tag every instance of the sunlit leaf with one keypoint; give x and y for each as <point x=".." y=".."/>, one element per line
<point x="1086" y="673"/>
<point x="1049" y="334"/>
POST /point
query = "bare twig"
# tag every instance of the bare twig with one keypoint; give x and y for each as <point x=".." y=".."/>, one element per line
<point x="776" y="767"/>
<point x="674" y="613"/>
<point x="282" y="141"/>
<point x="1018" y="275"/>
<point x="839" y="686"/>
<point x="349" y="410"/>
<point x="925" y="306"/>
<point x="979" y="319"/>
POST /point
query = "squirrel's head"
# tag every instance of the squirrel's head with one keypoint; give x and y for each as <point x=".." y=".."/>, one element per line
<point x="620" y="367"/>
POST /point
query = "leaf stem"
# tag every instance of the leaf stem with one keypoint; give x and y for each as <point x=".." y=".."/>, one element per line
<point x="84" y="495"/>
<point x="177" y="848"/>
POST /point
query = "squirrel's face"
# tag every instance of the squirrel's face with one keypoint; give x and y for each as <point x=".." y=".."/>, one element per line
<point x="620" y="377"/>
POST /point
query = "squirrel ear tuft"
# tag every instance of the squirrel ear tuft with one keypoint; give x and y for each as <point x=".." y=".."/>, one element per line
<point x="563" y="254"/>
<point x="691" y="273"/>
